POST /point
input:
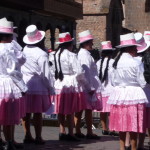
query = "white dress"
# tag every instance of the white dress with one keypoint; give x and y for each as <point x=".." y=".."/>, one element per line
<point x="12" y="104"/>
<point x="91" y="75"/>
<point x="127" y="113"/>
<point x="38" y="78"/>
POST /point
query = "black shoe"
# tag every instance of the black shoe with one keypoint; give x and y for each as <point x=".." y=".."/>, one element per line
<point x="72" y="138"/>
<point x="105" y="132"/>
<point x="113" y="133"/>
<point x="92" y="136"/>
<point x="39" y="141"/>
<point x="80" y="135"/>
<point x="127" y="147"/>
<point x="28" y="141"/>
<point x="18" y="145"/>
<point x="62" y="137"/>
<point x="9" y="146"/>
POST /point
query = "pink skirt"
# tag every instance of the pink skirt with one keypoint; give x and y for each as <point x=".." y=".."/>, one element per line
<point x="147" y="117"/>
<point x="105" y="106"/>
<point x="94" y="102"/>
<point x="127" y="118"/>
<point x="37" y="103"/>
<point x="11" y="111"/>
<point x="69" y="103"/>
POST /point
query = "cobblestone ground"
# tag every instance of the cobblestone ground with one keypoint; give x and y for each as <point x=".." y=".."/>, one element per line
<point x="50" y="134"/>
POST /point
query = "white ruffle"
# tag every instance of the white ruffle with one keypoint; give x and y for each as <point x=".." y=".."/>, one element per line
<point x="127" y="95"/>
<point x="69" y="84"/>
<point x="8" y="90"/>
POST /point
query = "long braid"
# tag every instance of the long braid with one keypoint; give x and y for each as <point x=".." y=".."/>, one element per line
<point x="117" y="59"/>
<point x="56" y="69"/>
<point x="105" y="76"/>
<point x="60" y="74"/>
<point x="101" y="65"/>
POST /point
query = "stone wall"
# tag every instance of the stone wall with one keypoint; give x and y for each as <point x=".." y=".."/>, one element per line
<point x="135" y="16"/>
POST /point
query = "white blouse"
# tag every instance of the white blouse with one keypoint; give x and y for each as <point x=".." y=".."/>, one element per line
<point x="107" y="87"/>
<point x="128" y="81"/>
<point x="36" y="73"/>
<point x="90" y="68"/>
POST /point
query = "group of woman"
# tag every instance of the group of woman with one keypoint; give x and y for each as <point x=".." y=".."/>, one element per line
<point x="116" y="84"/>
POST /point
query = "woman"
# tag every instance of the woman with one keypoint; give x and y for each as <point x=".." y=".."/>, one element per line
<point x="104" y="67"/>
<point x="12" y="103"/>
<point x="93" y="94"/>
<point x="38" y="79"/>
<point x="128" y="99"/>
<point x="69" y="94"/>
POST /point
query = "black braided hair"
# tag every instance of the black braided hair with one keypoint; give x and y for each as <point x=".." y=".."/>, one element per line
<point x="117" y="59"/>
<point x="100" y="72"/>
<point x="105" y="54"/>
<point x="59" y="75"/>
<point x="106" y="70"/>
<point x="56" y="69"/>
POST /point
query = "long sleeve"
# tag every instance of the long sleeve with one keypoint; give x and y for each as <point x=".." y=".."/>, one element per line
<point x="77" y="68"/>
<point x="140" y="75"/>
<point x="46" y="74"/>
<point x="86" y="65"/>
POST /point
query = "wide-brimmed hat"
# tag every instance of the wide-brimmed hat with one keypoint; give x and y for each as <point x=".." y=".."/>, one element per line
<point x="106" y="45"/>
<point x="64" y="38"/>
<point x="33" y="35"/>
<point x="127" y="40"/>
<point x="85" y="36"/>
<point x="140" y="40"/>
<point x="6" y="26"/>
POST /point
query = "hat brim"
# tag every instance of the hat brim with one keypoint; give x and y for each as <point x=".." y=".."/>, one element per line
<point x="123" y="46"/>
<point x="26" y="40"/>
<point x="7" y="32"/>
<point x="148" y="45"/>
<point x="85" y="41"/>
<point x="64" y="42"/>
<point x="111" y="49"/>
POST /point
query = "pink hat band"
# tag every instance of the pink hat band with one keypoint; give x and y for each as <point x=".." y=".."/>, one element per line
<point x="85" y="38"/>
<point x="7" y="30"/>
<point x="36" y="37"/>
<point x="128" y="42"/>
<point x="107" y="46"/>
<point x="67" y="38"/>
<point x="143" y="45"/>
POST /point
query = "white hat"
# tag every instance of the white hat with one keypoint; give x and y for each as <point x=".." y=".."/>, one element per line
<point x="147" y="36"/>
<point x="127" y="40"/>
<point x="6" y="26"/>
<point x="64" y="38"/>
<point x="85" y="36"/>
<point x="140" y="40"/>
<point x="106" y="45"/>
<point x="33" y="35"/>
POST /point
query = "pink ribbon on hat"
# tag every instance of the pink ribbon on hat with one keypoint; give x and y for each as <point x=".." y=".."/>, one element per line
<point x="85" y="38"/>
<point x="65" y="39"/>
<point x="107" y="46"/>
<point x="128" y="42"/>
<point x="36" y="37"/>
<point x="7" y="30"/>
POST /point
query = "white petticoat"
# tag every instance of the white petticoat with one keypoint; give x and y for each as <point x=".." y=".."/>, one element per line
<point x="69" y="82"/>
<point x="127" y="95"/>
<point x="8" y="90"/>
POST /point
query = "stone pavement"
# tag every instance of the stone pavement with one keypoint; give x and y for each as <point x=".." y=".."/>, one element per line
<point x="50" y="134"/>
